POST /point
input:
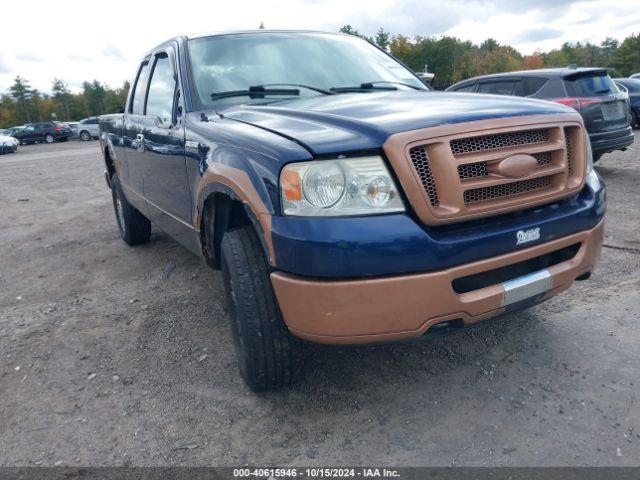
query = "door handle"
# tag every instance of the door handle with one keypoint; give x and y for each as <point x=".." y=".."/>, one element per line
<point x="140" y="142"/>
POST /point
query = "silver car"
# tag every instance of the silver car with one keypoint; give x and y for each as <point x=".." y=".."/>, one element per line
<point x="87" y="129"/>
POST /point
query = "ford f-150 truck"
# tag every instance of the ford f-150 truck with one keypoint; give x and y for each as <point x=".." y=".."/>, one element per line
<point x="344" y="201"/>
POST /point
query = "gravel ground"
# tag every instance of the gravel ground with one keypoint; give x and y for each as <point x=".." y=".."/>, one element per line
<point x="111" y="355"/>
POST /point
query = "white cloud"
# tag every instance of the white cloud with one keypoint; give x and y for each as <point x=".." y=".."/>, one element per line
<point x="76" y="45"/>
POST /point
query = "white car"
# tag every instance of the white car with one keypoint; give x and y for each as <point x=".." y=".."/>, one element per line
<point x="8" y="144"/>
<point x="88" y="129"/>
<point x="635" y="75"/>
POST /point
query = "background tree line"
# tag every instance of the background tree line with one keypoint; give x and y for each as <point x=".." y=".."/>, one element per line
<point x="452" y="59"/>
<point x="24" y="104"/>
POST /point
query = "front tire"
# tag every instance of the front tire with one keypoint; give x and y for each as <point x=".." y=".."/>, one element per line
<point x="269" y="357"/>
<point x="85" y="136"/>
<point x="134" y="227"/>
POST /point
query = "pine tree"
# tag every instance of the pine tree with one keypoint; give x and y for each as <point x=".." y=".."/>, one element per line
<point x="22" y="93"/>
<point x="62" y="95"/>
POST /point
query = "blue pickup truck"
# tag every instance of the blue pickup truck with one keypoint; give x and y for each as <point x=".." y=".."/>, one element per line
<point x="344" y="201"/>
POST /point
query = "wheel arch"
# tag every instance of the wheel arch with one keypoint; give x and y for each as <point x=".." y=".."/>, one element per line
<point x="222" y="207"/>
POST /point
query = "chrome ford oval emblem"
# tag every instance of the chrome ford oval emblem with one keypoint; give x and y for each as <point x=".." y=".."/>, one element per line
<point x="515" y="166"/>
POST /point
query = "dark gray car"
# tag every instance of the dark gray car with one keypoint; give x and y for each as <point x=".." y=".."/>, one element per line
<point x="604" y="108"/>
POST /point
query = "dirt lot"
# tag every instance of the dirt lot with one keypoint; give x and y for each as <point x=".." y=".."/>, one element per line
<point x="111" y="355"/>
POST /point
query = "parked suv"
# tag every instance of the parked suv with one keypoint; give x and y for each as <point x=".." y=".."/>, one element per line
<point x="632" y="87"/>
<point x="87" y="129"/>
<point x="604" y="108"/>
<point x="47" y="132"/>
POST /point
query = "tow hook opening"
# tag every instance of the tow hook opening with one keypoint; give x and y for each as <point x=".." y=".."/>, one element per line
<point x="444" y="328"/>
<point x="584" y="276"/>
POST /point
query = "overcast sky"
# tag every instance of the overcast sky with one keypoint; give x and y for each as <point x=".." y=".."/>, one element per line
<point x="79" y="41"/>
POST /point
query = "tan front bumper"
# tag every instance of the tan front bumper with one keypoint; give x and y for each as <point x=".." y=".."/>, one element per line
<point x="401" y="307"/>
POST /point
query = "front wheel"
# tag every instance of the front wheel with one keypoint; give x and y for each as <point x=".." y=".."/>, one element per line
<point x="85" y="136"/>
<point x="269" y="357"/>
<point x="134" y="227"/>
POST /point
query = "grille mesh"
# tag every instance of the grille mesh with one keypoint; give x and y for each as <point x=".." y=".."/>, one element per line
<point x="473" y="170"/>
<point x="501" y="140"/>
<point x="569" y="146"/>
<point x="481" y="169"/>
<point x="420" y="161"/>
<point x="483" y="194"/>
<point x="543" y="158"/>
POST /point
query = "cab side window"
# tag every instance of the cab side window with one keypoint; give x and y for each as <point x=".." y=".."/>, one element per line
<point x="162" y="89"/>
<point x="137" y="102"/>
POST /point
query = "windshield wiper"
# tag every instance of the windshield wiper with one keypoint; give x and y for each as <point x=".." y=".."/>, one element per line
<point x="394" y="83"/>
<point x="363" y="87"/>
<point x="368" y="86"/>
<point x="255" y="92"/>
<point x="308" y="87"/>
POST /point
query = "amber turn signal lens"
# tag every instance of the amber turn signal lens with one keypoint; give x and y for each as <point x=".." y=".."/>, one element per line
<point x="291" y="185"/>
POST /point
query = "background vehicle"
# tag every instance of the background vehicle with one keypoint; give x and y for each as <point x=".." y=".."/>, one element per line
<point x="47" y="132"/>
<point x="87" y="129"/>
<point x="8" y="144"/>
<point x="632" y="87"/>
<point x="74" y="129"/>
<point x="590" y="91"/>
<point x="347" y="203"/>
<point x="12" y="132"/>
<point x="635" y="75"/>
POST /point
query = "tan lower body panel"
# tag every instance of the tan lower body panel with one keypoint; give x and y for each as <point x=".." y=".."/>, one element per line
<point x="402" y="307"/>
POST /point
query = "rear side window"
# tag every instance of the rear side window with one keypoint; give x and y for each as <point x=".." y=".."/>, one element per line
<point x="590" y="85"/>
<point x="467" y="88"/>
<point x="505" y="87"/>
<point x="531" y="85"/>
<point x="162" y="88"/>
<point x="137" y="102"/>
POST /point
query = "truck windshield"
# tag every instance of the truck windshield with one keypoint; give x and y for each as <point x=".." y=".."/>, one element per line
<point x="318" y="61"/>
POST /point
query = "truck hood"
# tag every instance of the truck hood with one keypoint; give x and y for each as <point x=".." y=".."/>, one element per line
<point x="361" y="121"/>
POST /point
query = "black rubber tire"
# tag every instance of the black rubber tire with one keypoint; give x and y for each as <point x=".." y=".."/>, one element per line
<point x="134" y="227"/>
<point x="48" y="138"/>
<point x="268" y="355"/>
<point x="635" y="122"/>
<point x="85" y="136"/>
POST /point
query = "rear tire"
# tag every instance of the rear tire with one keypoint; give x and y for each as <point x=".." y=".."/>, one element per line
<point x="635" y="123"/>
<point x="269" y="357"/>
<point x="134" y="227"/>
<point x="48" y="138"/>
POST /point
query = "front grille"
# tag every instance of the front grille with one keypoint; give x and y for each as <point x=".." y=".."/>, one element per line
<point x="420" y="161"/>
<point x="502" y="140"/>
<point x="481" y="169"/>
<point x="484" y="194"/>
<point x="455" y="172"/>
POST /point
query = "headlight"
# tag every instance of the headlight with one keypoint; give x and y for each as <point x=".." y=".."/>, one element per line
<point x="341" y="187"/>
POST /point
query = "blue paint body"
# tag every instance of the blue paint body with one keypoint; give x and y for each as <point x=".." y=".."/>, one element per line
<point x="396" y="243"/>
